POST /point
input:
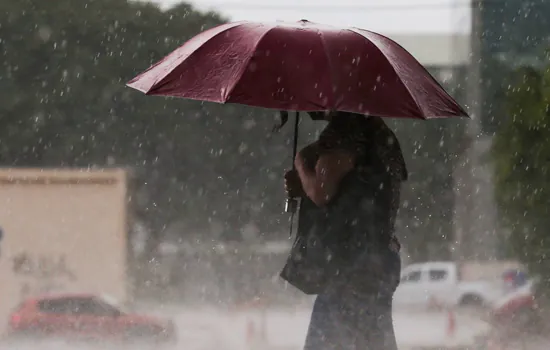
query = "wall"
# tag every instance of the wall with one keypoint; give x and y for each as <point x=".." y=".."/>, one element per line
<point x="436" y="50"/>
<point x="487" y="270"/>
<point x="64" y="231"/>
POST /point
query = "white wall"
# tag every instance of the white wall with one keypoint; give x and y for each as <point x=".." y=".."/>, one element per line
<point x="439" y="50"/>
<point x="64" y="231"/>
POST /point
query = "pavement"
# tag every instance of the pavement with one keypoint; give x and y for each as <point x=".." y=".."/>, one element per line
<point x="285" y="329"/>
<point x="210" y="328"/>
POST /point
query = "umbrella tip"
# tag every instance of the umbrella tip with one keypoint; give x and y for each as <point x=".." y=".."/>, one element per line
<point x="303" y="21"/>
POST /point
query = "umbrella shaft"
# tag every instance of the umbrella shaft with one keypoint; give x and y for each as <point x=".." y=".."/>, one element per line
<point x="295" y="141"/>
<point x="291" y="205"/>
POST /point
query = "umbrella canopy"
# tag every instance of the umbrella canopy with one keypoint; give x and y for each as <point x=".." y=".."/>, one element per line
<point x="301" y="67"/>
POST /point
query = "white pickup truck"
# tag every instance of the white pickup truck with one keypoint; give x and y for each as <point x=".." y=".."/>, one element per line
<point x="443" y="284"/>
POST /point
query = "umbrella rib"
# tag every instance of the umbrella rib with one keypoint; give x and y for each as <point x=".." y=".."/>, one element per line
<point x="330" y="66"/>
<point x="160" y="81"/>
<point x="420" y="109"/>
<point x="245" y="65"/>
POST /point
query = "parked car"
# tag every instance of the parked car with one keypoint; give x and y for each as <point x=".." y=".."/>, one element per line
<point x="516" y="322"/>
<point x="442" y="283"/>
<point x="84" y="317"/>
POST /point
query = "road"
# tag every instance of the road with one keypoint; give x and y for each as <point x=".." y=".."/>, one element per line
<point x="209" y="328"/>
<point x="286" y="328"/>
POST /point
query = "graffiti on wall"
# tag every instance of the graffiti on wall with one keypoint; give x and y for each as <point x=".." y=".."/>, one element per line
<point x="39" y="274"/>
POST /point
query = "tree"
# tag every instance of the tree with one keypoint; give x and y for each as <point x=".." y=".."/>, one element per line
<point x="504" y="46"/>
<point x="63" y="101"/>
<point x="521" y="155"/>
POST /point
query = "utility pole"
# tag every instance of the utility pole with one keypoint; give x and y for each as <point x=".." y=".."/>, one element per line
<point x="465" y="181"/>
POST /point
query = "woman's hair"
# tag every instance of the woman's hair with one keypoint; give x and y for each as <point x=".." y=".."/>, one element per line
<point x="388" y="147"/>
<point x="368" y="134"/>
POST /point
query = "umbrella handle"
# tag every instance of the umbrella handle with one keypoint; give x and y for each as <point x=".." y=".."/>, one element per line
<point x="291" y="204"/>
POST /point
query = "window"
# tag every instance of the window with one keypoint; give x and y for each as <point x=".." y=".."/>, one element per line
<point x="91" y="306"/>
<point x="77" y="306"/>
<point x="413" y="276"/>
<point x="438" y="275"/>
<point x="56" y="306"/>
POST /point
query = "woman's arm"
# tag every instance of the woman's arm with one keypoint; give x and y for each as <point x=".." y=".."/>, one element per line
<point x="321" y="183"/>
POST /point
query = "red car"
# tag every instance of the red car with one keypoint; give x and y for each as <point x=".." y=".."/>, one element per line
<point x="515" y="320"/>
<point x="84" y="317"/>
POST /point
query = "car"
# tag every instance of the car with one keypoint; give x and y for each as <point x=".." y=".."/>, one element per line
<point x="442" y="284"/>
<point x="516" y="320"/>
<point x="84" y="317"/>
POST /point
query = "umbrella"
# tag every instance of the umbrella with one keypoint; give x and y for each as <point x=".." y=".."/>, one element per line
<point x="300" y="66"/>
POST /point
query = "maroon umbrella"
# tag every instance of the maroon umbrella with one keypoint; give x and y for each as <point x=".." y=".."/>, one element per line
<point x="302" y="67"/>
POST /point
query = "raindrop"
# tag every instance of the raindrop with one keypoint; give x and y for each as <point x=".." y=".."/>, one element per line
<point x="45" y="33"/>
<point x="249" y="124"/>
<point x="243" y="147"/>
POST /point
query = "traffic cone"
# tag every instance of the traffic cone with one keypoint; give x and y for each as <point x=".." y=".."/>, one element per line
<point x="451" y="323"/>
<point x="250" y="332"/>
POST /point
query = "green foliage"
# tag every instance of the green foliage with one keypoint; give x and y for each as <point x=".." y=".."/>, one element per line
<point x="521" y="154"/>
<point x="512" y="34"/>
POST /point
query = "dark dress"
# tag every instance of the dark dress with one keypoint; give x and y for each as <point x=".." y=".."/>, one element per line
<point x="355" y="310"/>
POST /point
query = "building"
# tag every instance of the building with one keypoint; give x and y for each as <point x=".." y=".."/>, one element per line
<point x="65" y="231"/>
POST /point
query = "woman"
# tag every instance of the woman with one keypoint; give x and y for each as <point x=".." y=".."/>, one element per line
<point x="356" y="165"/>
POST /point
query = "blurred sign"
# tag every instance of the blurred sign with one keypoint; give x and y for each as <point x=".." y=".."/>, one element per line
<point x="40" y="274"/>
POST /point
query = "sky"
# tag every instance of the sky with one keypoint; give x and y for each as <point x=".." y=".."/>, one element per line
<point x="385" y="16"/>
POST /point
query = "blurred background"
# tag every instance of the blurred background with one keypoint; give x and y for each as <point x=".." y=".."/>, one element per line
<point x="202" y="206"/>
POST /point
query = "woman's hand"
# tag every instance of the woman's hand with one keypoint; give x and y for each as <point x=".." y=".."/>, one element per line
<point x="293" y="184"/>
<point x="309" y="155"/>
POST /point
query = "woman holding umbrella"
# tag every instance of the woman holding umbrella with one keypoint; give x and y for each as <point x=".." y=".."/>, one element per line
<point x="356" y="157"/>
